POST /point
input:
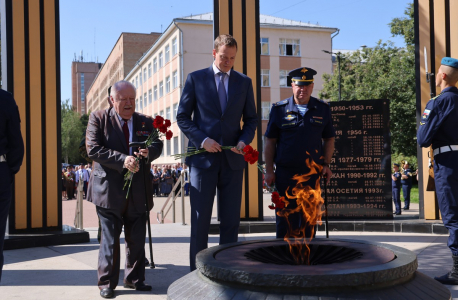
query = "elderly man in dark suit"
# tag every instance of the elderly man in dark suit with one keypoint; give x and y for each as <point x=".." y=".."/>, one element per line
<point x="214" y="102"/>
<point x="107" y="138"/>
<point x="11" y="155"/>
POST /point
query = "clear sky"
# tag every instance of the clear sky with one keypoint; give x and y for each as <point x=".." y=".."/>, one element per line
<point x="93" y="26"/>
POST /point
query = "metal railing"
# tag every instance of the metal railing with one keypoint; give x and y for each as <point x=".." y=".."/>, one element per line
<point x="182" y="180"/>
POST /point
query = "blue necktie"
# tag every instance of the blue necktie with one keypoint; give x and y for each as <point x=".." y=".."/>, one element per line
<point x="222" y="91"/>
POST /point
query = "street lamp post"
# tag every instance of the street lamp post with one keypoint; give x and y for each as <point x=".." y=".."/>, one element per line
<point x="338" y="67"/>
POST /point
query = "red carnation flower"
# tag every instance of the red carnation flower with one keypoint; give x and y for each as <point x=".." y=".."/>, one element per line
<point x="167" y="123"/>
<point x="169" y="135"/>
<point x="275" y="197"/>
<point x="254" y="157"/>
<point x="158" y="121"/>
<point x="280" y="205"/>
<point x="163" y="128"/>
<point x="247" y="149"/>
<point x="271" y="207"/>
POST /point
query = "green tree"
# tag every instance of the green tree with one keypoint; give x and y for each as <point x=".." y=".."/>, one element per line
<point x="383" y="72"/>
<point x="71" y="134"/>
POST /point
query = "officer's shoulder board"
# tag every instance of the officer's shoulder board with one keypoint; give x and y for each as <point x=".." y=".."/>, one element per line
<point x="283" y="102"/>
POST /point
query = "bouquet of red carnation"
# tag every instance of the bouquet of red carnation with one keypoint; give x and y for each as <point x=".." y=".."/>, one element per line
<point x="161" y="126"/>
<point x="251" y="155"/>
<point x="277" y="201"/>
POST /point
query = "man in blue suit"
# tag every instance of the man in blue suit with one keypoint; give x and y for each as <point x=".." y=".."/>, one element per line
<point x="11" y="155"/>
<point x="213" y="103"/>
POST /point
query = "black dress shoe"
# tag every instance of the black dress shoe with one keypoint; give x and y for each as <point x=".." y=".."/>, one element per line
<point x="107" y="293"/>
<point x="146" y="262"/>
<point x="139" y="286"/>
<point x="405" y="208"/>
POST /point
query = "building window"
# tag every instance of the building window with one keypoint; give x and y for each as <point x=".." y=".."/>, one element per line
<point x="265" y="78"/>
<point x="154" y="65"/>
<point x="265" y="110"/>
<point x="150" y="96"/>
<point x="283" y="78"/>
<point x="136" y="104"/>
<point x="174" y="47"/>
<point x="140" y="75"/>
<point x="144" y="100"/>
<point x="167" y="84"/>
<point x="82" y="90"/>
<point x="169" y="147"/>
<point x="265" y="46"/>
<point x="155" y="92"/>
<point x="175" y="111"/>
<point x="161" y="89"/>
<point x="175" y="145"/>
<point x="136" y="82"/>
<point x="175" y="80"/>
<point x="140" y="102"/>
<point x="149" y="70"/>
<point x="160" y="60"/>
<point x="167" y="53"/>
<point x="290" y="47"/>
<point x="167" y="113"/>
<point x="144" y="74"/>
<point x="161" y="113"/>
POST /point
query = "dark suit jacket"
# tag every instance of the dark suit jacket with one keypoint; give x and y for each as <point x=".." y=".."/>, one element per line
<point x="11" y="143"/>
<point x="106" y="146"/>
<point x="200" y="97"/>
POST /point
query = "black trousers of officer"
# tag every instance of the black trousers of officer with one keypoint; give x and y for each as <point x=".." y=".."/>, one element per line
<point x="109" y="253"/>
<point x="284" y="181"/>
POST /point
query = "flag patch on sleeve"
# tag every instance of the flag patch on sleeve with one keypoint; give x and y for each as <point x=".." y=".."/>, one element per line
<point x="425" y="114"/>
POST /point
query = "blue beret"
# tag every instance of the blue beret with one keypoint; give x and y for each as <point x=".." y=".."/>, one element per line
<point x="301" y="76"/>
<point x="397" y="165"/>
<point x="451" y="62"/>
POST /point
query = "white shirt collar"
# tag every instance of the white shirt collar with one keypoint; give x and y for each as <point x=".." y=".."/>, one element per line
<point x="216" y="70"/>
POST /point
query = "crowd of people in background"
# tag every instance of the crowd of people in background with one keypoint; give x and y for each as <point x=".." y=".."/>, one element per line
<point x="164" y="178"/>
<point x="71" y="177"/>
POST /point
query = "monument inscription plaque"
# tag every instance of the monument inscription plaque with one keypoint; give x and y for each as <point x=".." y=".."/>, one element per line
<point x="361" y="183"/>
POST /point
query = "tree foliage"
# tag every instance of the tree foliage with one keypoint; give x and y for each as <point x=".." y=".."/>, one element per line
<point x="72" y="131"/>
<point x="383" y="72"/>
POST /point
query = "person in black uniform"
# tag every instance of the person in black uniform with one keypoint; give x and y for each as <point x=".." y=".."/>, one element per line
<point x="299" y="128"/>
<point x="438" y="126"/>
<point x="406" y="182"/>
<point x="11" y="154"/>
<point x="396" y="188"/>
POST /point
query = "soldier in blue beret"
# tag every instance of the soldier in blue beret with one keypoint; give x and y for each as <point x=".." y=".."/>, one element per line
<point x="396" y="188"/>
<point x="300" y="128"/>
<point x="438" y="127"/>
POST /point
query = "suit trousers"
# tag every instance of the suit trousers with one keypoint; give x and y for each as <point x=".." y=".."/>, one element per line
<point x="204" y="183"/>
<point x="109" y="253"/>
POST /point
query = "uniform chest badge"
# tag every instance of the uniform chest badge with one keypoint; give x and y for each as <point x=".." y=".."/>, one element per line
<point x="290" y="117"/>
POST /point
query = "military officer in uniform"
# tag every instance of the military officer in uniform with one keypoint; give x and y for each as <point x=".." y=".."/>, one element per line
<point x="11" y="155"/>
<point x="406" y="182"/>
<point x="396" y="189"/>
<point x="299" y="128"/>
<point x="438" y="126"/>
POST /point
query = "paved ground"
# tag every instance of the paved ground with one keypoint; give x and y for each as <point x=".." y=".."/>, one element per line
<point x="69" y="271"/>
